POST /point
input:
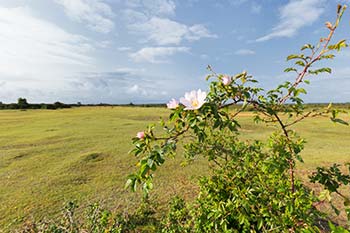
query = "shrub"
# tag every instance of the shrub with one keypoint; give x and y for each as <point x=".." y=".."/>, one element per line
<point x="253" y="187"/>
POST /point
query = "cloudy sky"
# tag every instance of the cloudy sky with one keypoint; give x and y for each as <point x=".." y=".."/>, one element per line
<point x="142" y="51"/>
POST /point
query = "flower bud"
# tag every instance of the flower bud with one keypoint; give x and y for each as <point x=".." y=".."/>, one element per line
<point x="140" y="135"/>
<point x="329" y="25"/>
<point x="339" y="8"/>
<point x="173" y="104"/>
<point x="226" y="80"/>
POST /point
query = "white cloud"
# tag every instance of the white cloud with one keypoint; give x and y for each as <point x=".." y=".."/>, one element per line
<point x="144" y="91"/>
<point x="35" y="55"/>
<point x="132" y="16"/>
<point x="154" y="7"/>
<point x="96" y="14"/>
<point x="152" y="20"/>
<point x="245" y="52"/>
<point x="156" y="54"/>
<point x="164" y="31"/>
<point x="104" y="44"/>
<point x="29" y="43"/>
<point x="123" y="85"/>
<point x="293" y="16"/>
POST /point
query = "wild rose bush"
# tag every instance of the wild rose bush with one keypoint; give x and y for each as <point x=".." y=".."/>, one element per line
<point x="253" y="187"/>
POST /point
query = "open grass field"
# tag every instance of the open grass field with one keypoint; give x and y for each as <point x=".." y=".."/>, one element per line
<point x="49" y="157"/>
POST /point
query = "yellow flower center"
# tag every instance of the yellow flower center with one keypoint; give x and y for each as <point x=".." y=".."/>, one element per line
<point x="194" y="103"/>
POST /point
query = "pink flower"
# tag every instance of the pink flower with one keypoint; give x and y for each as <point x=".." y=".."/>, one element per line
<point x="226" y="80"/>
<point x="194" y="99"/>
<point x="140" y="135"/>
<point x="173" y="103"/>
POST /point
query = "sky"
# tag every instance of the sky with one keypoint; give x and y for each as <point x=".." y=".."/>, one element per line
<point x="149" y="51"/>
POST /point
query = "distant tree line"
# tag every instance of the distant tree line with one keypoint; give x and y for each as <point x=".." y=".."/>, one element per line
<point x="22" y="103"/>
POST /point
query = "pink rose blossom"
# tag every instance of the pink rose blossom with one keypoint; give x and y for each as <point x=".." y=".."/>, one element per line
<point x="226" y="80"/>
<point x="173" y="103"/>
<point x="194" y="99"/>
<point x="140" y="135"/>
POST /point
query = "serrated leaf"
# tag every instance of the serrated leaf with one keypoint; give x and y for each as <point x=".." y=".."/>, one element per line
<point x="300" y="63"/>
<point x="301" y="90"/>
<point x="326" y="69"/>
<point x="338" y="46"/>
<point x="328" y="56"/>
<point x="290" y="69"/>
<point x="307" y="46"/>
<point x="294" y="56"/>
<point x="322" y="70"/>
<point x="208" y="77"/>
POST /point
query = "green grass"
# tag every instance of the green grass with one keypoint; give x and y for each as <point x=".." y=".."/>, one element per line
<point x="49" y="157"/>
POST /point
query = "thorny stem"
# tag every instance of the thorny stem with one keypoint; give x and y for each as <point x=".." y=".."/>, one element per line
<point x="309" y="114"/>
<point x="173" y="137"/>
<point x="298" y="80"/>
<point x="303" y="73"/>
<point x="290" y="161"/>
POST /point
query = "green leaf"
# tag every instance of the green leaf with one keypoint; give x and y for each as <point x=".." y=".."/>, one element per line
<point x="128" y="183"/>
<point x="346" y="202"/>
<point x="300" y="63"/>
<point x="338" y="46"/>
<point x="328" y="56"/>
<point x="290" y="69"/>
<point x="325" y="195"/>
<point x="150" y="163"/>
<point x="321" y="70"/>
<point x="299" y="91"/>
<point x="336" y="211"/>
<point x="307" y="46"/>
<point x="340" y="121"/>
<point x="294" y="56"/>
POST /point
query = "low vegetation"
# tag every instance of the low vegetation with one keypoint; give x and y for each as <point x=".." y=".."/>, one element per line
<point x="51" y="158"/>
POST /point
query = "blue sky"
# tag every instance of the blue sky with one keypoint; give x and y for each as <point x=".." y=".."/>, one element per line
<point x="143" y="51"/>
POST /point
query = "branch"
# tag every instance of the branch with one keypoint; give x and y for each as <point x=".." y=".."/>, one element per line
<point x="324" y="50"/>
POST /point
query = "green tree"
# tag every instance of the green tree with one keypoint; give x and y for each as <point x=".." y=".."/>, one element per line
<point x="22" y="103"/>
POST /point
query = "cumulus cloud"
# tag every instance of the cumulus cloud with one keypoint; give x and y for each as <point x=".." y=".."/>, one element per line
<point x="120" y="86"/>
<point x="36" y="55"/>
<point x="32" y="44"/>
<point x="152" y="19"/>
<point x="156" y="54"/>
<point x="96" y="14"/>
<point x="294" y="16"/>
<point x="164" y="31"/>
